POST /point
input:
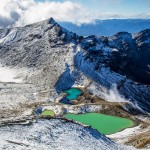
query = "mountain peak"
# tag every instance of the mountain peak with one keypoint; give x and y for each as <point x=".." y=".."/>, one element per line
<point x="51" y="21"/>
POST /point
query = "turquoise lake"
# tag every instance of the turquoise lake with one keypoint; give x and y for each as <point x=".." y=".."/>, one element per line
<point x="105" y="124"/>
<point x="72" y="93"/>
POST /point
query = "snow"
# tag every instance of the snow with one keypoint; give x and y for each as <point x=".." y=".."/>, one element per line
<point x="81" y="108"/>
<point x="9" y="75"/>
<point x="122" y="136"/>
<point x="110" y="85"/>
<point x="10" y="37"/>
<point x="56" y="135"/>
<point x="111" y="95"/>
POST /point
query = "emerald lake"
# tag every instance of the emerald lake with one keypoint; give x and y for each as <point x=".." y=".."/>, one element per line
<point x="48" y="113"/>
<point x="72" y="93"/>
<point x="105" y="124"/>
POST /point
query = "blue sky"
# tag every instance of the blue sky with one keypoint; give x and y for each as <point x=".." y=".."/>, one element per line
<point x="129" y="7"/>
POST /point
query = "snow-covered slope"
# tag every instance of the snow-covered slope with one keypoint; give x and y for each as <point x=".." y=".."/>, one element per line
<point x="55" y="135"/>
<point x="42" y="47"/>
<point x="111" y="62"/>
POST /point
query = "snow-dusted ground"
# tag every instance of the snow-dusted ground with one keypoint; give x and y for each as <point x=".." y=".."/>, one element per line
<point x="9" y="75"/>
<point x="122" y="136"/>
<point x="111" y="95"/>
<point x="82" y="108"/>
<point x="54" y="134"/>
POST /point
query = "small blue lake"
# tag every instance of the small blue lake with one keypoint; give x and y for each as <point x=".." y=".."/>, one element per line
<point x="72" y="93"/>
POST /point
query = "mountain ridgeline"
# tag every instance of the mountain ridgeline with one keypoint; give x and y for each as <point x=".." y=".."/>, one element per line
<point x="59" y="59"/>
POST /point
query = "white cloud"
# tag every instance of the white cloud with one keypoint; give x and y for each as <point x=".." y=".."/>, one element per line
<point x="11" y="10"/>
<point x="23" y="12"/>
<point x="61" y="11"/>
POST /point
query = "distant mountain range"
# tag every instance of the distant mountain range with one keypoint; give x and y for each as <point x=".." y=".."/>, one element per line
<point x="108" y="27"/>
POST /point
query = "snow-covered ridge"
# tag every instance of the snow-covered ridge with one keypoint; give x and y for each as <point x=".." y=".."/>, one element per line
<point x="56" y="135"/>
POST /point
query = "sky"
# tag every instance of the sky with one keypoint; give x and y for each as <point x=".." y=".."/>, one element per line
<point x="23" y="12"/>
<point x="113" y="6"/>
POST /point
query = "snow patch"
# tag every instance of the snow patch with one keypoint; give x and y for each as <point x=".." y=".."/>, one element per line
<point x="122" y="136"/>
<point x="111" y="95"/>
<point x="10" y="37"/>
<point x="9" y="75"/>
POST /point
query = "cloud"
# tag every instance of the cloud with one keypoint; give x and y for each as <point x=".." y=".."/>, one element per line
<point x="4" y="21"/>
<point x="23" y="12"/>
<point x="61" y="11"/>
<point x="12" y="10"/>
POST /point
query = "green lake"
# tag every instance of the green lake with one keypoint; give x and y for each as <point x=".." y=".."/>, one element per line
<point x="72" y="93"/>
<point x="105" y="124"/>
<point x="48" y="113"/>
